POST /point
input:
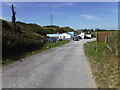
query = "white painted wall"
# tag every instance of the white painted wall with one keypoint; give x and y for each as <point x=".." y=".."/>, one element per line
<point x="64" y="35"/>
<point x="82" y="35"/>
<point x="89" y="35"/>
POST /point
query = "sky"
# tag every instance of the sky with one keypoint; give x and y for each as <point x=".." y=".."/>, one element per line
<point x="77" y="15"/>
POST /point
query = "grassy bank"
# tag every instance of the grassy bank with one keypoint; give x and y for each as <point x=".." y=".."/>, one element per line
<point x="30" y="38"/>
<point x="104" y="64"/>
<point x="12" y="58"/>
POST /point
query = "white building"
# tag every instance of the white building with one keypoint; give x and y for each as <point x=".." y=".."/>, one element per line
<point x="88" y="35"/>
<point x="82" y="35"/>
<point x="65" y="36"/>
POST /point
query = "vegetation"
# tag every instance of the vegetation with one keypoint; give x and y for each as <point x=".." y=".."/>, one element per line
<point x="104" y="63"/>
<point x="58" y="43"/>
<point x="30" y="37"/>
<point x="56" y="29"/>
<point x="93" y="31"/>
<point x="19" y="56"/>
<point x="22" y="42"/>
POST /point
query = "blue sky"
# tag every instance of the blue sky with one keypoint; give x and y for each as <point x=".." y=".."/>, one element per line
<point x="77" y="15"/>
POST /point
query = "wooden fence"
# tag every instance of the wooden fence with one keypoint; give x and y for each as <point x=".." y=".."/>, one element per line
<point x="100" y="36"/>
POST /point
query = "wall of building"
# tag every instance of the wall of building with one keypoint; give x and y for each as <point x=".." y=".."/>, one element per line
<point x="53" y="35"/>
<point x="64" y="35"/>
<point x="82" y="35"/>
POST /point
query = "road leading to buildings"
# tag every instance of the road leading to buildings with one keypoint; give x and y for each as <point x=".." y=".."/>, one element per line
<point x="61" y="67"/>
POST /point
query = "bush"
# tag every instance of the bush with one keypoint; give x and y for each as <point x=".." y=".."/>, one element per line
<point x="24" y="41"/>
<point x="60" y="39"/>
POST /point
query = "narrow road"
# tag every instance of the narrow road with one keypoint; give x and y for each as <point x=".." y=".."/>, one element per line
<point x="61" y="67"/>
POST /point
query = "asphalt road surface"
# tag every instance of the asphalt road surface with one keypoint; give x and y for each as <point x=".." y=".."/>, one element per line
<point x="61" y="67"/>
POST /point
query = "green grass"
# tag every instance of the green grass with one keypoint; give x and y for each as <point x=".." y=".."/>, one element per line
<point x="103" y="63"/>
<point x="19" y="56"/>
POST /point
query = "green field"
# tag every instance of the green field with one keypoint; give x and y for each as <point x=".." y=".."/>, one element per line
<point x="104" y="63"/>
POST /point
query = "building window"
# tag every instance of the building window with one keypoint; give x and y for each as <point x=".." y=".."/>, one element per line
<point x="63" y="36"/>
<point x="60" y="36"/>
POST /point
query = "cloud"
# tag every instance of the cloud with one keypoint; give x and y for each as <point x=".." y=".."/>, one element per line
<point x="75" y="17"/>
<point x="55" y="5"/>
<point x="10" y="4"/>
<point x="90" y="17"/>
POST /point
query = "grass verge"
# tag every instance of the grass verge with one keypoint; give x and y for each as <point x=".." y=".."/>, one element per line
<point x="20" y="56"/>
<point x="104" y="65"/>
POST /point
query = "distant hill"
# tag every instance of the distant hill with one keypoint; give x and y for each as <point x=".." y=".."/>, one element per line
<point x="57" y="29"/>
<point x="29" y="36"/>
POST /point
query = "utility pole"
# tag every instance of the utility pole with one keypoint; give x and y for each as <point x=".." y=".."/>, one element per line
<point x="51" y="19"/>
<point x="13" y="20"/>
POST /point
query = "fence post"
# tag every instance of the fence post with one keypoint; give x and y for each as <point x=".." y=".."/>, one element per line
<point x="96" y="41"/>
<point x="106" y="40"/>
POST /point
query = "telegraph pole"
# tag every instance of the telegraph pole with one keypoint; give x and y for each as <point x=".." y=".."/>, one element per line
<point x="13" y="20"/>
<point x="51" y="19"/>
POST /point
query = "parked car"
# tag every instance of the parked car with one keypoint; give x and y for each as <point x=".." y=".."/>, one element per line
<point x="76" y="39"/>
<point x="86" y="37"/>
<point x="51" y="40"/>
<point x="79" y="37"/>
